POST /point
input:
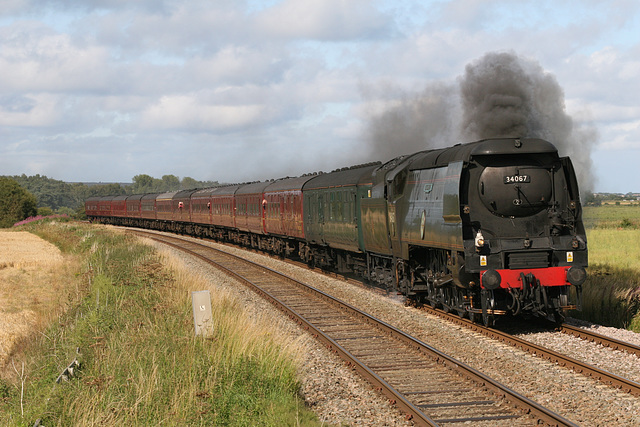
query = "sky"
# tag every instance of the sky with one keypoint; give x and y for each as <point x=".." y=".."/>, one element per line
<point x="243" y="90"/>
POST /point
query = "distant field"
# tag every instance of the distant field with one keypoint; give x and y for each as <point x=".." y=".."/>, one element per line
<point x="612" y="216"/>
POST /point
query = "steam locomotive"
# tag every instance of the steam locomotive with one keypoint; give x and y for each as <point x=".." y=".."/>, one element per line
<point x="485" y="229"/>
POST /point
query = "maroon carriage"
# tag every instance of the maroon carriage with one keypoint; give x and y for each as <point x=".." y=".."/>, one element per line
<point x="223" y="206"/>
<point x="91" y="207"/>
<point x="148" y="206"/>
<point x="250" y="206"/>
<point x="104" y="206"/>
<point x="202" y="207"/>
<point x="181" y="205"/>
<point x="283" y="213"/>
<point x="119" y="206"/>
<point x="134" y="207"/>
<point x="164" y="206"/>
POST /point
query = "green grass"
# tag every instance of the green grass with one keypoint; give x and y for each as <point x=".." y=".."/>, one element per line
<point x="141" y="363"/>
<point x="612" y="216"/>
<point x="611" y="294"/>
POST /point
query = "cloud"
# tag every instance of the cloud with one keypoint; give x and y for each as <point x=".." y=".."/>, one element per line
<point x="239" y="65"/>
<point x="37" y="111"/>
<point x="188" y="113"/>
<point x="329" y="20"/>
<point x="184" y="30"/>
<point x="621" y="136"/>
<point x="34" y="58"/>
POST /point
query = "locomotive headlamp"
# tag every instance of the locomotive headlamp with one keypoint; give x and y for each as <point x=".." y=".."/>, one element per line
<point x="576" y="275"/>
<point x="479" y="240"/>
<point x="491" y="279"/>
<point x="575" y="244"/>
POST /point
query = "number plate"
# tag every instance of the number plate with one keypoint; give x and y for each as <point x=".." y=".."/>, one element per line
<point x="514" y="179"/>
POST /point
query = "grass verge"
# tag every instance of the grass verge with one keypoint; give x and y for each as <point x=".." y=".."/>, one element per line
<point x="611" y="294"/>
<point x="612" y="291"/>
<point x="140" y="362"/>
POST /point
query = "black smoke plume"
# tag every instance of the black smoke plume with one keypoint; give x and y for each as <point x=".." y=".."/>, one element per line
<point x="499" y="95"/>
<point x="406" y="123"/>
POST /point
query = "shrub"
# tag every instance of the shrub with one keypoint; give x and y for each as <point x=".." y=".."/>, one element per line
<point x="17" y="203"/>
<point x="45" y="211"/>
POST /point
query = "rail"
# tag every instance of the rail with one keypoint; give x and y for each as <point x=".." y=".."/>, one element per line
<point x="600" y="339"/>
<point x="603" y="376"/>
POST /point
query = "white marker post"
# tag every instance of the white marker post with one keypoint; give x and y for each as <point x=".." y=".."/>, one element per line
<point x="202" y="318"/>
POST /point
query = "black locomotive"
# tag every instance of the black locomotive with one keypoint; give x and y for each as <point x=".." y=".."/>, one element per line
<point x="487" y="228"/>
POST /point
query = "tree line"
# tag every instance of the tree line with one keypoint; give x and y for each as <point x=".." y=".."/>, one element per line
<point x="22" y="196"/>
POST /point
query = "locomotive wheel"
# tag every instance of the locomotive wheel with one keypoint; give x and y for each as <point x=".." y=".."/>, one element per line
<point x="448" y="301"/>
<point x="431" y="295"/>
<point x="458" y="298"/>
<point x="475" y="317"/>
<point x="488" y="319"/>
<point x="433" y="302"/>
<point x="558" y="318"/>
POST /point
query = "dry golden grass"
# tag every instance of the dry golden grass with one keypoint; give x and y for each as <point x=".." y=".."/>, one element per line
<point x="34" y="286"/>
<point x="255" y="325"/>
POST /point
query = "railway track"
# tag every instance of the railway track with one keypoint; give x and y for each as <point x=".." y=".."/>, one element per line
<point x="430" y="387"/>
<point x="605" y="377"/>
<point x="600" y="339"/>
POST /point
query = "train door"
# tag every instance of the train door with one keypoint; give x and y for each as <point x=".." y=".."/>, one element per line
<point x="396" y="182"/>
<point x="315" y="216"/>
<point x="321" y="218"/>
<point x="263" y="213"/>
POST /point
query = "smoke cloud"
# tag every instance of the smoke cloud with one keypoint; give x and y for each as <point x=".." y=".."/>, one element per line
<point x="499" y="95"/>
<point x="406" y="123"/>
